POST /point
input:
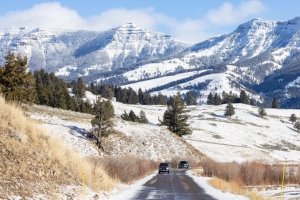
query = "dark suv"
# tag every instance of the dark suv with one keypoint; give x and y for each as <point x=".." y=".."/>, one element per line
<point x="163" y="167"/>
<point x="183" y="164"/>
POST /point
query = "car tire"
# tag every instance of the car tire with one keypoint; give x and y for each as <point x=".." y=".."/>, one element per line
<point x="168" y="172"/>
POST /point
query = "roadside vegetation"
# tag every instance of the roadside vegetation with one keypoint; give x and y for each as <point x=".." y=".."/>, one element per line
<point x="234" y="188"/>
<point x="127" y="168"/>
<point x="236" y="177"/>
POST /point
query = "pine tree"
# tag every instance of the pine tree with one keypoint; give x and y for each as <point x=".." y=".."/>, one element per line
<point x="1" y="77"/>
<point x="262" y="112"/>
<point x="142" y="118"/>
<point x="132" y="97"/>
<point x="224" y="96"/>
<point x="148" y="99"/>
<point x="123" y="96"/>
<point x="293" y="118"/>
<point x="70" y="102"/>
<point x="297" y="126"/>
<point x="175" y="117"/>
<point x="161" y="100"/>
<point x="229" y="110"/>
<point x="190" y="99"/>
<point x="210" y="99"/>
<point x="217" y="99"/>
<point x="80" y="88"/>
<point x="102" y="123"/>
<point x="275" y="103"/>
<point x="106" y="91"/>
<point x="252" y="102"/>
<point x="16" y="84"/>
<point x="133" y="117"/>
<point x="244" y="97"/>
<point x="125" y="116"/>
<point x="141" y="96"/>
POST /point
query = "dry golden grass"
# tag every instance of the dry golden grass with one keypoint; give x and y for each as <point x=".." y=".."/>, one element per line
<point x="62" y="114"/>
<point x="127" y="168"/>
<point x="32" y="162"/>
<point x="234" y="188"/>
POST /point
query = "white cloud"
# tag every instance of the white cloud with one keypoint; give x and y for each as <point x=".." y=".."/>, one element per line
<point x="191" y="30"/>
<point x="53" y="15"/>
<point x="43" y="15"/>
<point x="229" y="14"/>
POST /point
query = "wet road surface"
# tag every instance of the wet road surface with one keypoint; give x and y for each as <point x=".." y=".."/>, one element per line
<point x="173" y="186"/>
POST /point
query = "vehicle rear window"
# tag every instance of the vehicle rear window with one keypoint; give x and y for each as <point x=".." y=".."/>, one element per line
<point x="163" y="164"/>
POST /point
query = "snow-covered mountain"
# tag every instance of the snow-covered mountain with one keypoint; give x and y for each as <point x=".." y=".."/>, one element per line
<point x="260" y="56"/>
<point x="73" y="53"/>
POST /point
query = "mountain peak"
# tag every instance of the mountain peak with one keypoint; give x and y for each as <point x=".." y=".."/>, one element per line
<point x="130" y="27"/>
<point x="256" y="23"/>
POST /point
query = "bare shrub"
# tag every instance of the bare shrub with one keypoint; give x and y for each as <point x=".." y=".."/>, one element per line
<point x="250" y="173"/>
<point x="175" y="161"/>
<point x="127" y="168"/>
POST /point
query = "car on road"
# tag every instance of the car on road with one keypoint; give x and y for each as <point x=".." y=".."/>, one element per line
<point x="163" y="167"/>
<point x="183" y="165"/>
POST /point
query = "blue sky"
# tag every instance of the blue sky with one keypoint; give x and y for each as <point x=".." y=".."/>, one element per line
<point x="189" y="20"/>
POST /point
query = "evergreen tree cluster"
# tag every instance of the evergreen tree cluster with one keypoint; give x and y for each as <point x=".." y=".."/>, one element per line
<point x="191" y="97"/>
<point x="126" y="95"/>
<point x="198" y="86"/>
<point x="53" y="91"/>
<point x="134" y="118"/>
<point x="215" y="99"/>
<point x="177" y="82"/>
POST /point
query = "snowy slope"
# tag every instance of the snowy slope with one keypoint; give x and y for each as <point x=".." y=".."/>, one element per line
<point x="244" y="137"/>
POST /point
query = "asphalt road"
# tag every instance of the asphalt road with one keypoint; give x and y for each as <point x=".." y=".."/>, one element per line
<point x="173" y="186"/>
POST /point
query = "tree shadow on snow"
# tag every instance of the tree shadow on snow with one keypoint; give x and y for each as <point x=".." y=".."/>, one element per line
<point x="78" y="132"/>
<point x="293" y="129"/>
<point x="256" y="115"/>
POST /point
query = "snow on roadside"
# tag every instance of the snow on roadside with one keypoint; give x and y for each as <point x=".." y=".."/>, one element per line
<point x="202" y="182"/>
<point x="127" y="192"/>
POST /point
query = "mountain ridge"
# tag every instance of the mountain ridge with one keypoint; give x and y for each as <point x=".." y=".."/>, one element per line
<point x="258" y="48"/>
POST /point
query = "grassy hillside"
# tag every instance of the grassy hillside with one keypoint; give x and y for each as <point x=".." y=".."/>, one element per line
<point x="33" y="163"/>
